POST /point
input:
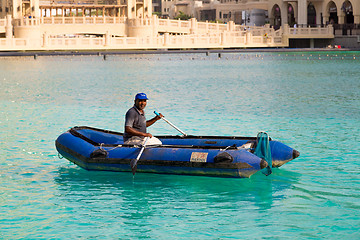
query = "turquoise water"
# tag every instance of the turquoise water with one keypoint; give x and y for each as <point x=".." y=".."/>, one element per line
<point x="309" y="101"/>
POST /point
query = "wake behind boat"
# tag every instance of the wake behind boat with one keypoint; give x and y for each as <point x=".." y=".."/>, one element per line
<point x="98" y="149"/>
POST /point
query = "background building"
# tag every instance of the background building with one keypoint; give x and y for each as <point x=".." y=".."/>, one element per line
<point x="274" y="12"/>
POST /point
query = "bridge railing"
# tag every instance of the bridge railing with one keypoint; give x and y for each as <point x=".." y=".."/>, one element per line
<point x="27" y="22"/>
<point x="83" y="20"/>
<point x="166" y="41"/>
<point x="212" y="26"/>
<point x="317" y="31"/>
<point x="2" y="25"/>
<point x="67" y="20"/>
<point x="200" y="27"/>
<point x="79" y="2"/>
<point x="174" y="23"/>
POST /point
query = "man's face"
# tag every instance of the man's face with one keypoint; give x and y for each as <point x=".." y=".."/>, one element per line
<point x="140" y="103"/>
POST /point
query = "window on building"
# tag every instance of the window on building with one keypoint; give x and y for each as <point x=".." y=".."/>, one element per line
<point x="219" y="14"/>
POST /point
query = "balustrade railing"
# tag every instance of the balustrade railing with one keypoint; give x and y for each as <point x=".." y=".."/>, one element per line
<point x="315" y="31"/>
<point x="215" y="40"/>
<point x="27" y="22"/>
<point x="79" y="2"/>
<point x="2" y="25"/>
<point x="82" y="20"/>
<point x="203" y="34"/>
<point x="2" y="22"/>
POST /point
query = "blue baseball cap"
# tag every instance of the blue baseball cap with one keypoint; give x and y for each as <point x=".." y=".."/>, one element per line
<point x="141" y="96"/>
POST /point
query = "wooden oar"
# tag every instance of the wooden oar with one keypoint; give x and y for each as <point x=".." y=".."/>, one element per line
<point x="170" y="124"/>
<point x="133" y="162"/>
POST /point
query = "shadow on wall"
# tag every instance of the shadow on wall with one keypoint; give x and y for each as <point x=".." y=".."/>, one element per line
<point x="305" y="43"/>
<point x="352" y="42"/>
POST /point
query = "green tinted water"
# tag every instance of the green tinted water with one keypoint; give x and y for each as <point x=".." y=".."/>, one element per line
<point x="309" y="101"/>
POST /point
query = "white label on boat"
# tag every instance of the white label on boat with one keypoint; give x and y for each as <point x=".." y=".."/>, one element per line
<point x="198" y="157"/>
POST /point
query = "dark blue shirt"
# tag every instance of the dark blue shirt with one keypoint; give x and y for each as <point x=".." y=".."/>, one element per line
<point x="136" y="120"/>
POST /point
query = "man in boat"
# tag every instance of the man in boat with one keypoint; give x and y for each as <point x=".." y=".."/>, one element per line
<point x="136" y="124"/>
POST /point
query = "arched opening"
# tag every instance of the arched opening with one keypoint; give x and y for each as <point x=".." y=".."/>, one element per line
<point x="291" y="15"/>
<point x="311" y="15"/>
<point x="333" y="17"/>
<point x="348" y="11"/>
<point x="277" y="16"/>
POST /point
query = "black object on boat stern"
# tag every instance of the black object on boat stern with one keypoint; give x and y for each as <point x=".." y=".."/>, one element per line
<point x="263" y="164"/>
<point x="296" y="154"/>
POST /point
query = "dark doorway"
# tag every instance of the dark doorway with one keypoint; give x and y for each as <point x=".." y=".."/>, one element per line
<point x="333" y="18"/>
<point x="311" y="15"/>
<point x="291" y="15"/>
<point x="209" y="15"/>
<point x="348" y="10"/>
<point x="277" y="16"/>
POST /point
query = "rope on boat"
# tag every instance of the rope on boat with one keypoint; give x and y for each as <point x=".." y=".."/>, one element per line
<point x="102" y="144"/>
<point x="226" y="148"/>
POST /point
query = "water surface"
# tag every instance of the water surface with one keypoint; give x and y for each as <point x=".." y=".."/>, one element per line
<point x="309" y="101"/>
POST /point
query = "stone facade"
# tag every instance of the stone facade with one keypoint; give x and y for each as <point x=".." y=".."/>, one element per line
<point x="278" y="12"/>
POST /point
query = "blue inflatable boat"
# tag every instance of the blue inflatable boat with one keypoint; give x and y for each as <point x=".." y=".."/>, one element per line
<point x="98" y="149"/>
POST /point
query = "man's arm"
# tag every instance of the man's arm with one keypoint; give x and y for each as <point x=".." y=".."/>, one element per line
<point x="134" y="132"/>
<point x="153" y="120"/>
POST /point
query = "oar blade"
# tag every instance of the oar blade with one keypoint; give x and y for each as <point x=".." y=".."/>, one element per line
<point x="133" y="165"/>
<point x="133" y="162"/>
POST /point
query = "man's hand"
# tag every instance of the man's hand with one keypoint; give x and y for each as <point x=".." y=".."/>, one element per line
<point x="148" y="135"/>
<point x="134" y="132"/>
<point x="158" y="117"/>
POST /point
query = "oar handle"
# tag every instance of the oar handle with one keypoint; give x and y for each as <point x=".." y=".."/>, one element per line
<point x="158" y="114"/>
<point x="142" y="148"/>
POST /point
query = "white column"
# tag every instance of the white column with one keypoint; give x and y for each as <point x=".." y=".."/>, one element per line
<point x="231" y="26"/>
<point x="357" y="19"/>
<point x="166" y="39"/>
<point x="302" y="12"/>
<point x="341" y="16"/>
<point x="34" y="4"/>
<point x="222" y="38"/>
<point x="286" y="29"/>
<point x="131" y="9"/>
<point x="193" y="26"/>
<point x="4" y="6"/>
<point x="284" y="13"/>
<point x="325" y="18"/>
<point x="248" y="38"/>
<point x="107" y="39"/>
<point x="155" y="24"/>
<point x="8" y="27"/>
<point x="17" y="9"/>
<point x="45" y="40"/>
<point x="312" y="43"/>
<point x="148" y="5"/>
